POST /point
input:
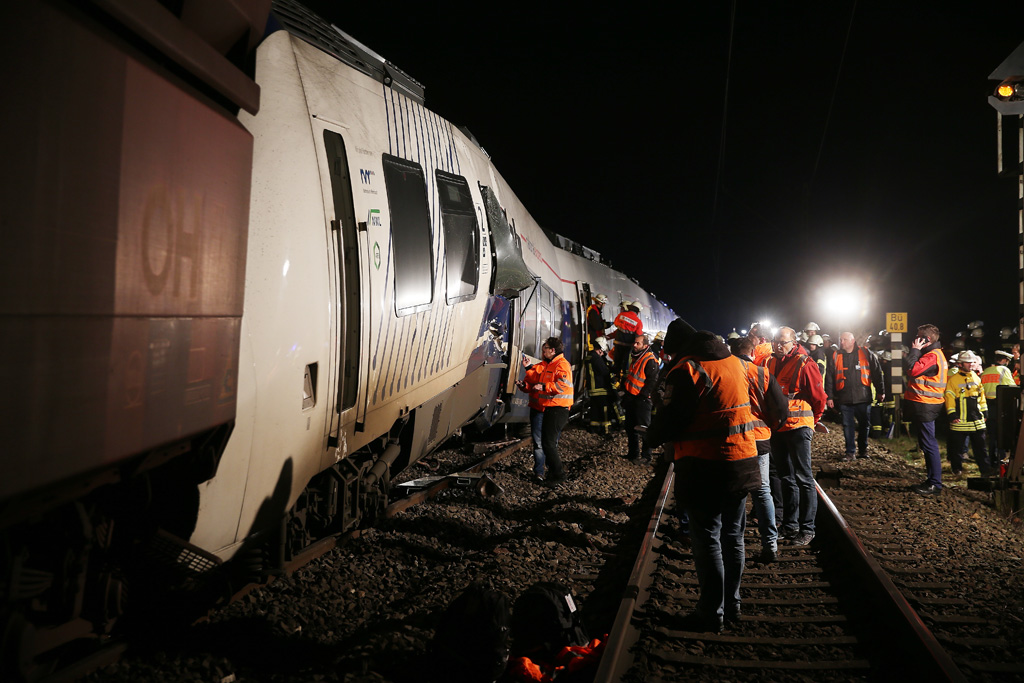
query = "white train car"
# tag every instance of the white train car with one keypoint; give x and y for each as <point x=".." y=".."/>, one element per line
<point x="371" y="332"/>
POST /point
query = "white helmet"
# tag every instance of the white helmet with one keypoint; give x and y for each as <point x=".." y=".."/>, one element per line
<point x="638" y="306"/>
<point x="801" y="336"/>
<point x="816" y="340"/>
<point x="734" y="335"/>
<point x="967" y="357"/>
<point x="601" y="299"/>
<point x="812" y="326"/>
<point x="601" y="343"/>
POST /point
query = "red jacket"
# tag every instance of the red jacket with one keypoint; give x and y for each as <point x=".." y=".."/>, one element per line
<point x="807" y="386"/>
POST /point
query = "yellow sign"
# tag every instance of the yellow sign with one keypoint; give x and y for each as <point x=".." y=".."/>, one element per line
<point x="895" y="322"/>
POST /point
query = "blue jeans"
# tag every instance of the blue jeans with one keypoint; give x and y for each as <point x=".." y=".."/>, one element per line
<point x="716" y="531"/>
<point x="536" y="430"/>
<point x="929" y="447"/>
<point x="792" y="454"/>
<point x="764" y="507"/>
<point x="859" y="412"/>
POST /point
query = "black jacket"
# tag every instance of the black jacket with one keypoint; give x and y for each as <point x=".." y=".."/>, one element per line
<point x="853" y="390"/>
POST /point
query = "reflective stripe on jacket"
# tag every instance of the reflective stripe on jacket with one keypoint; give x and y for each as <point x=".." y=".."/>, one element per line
<point x="865" y="369"/>
<point x="965" y="401"/>
<point x="637" y="373"/>
<point x="759" y="378"/>
<point x="556" y="376"/>
<point x="723" y="426"/>
<point x="800" y="413"/>
<point x="629" y="322"/>
<point x="929" y="388"/>
<point x="994" y="377"/>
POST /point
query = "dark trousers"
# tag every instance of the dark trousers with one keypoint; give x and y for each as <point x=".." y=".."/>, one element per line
<point x="956" y="446"/>
<point x="638" y="414"/>
<point x="929" y="447"/>
<point x="791" y="451"/>
<point x="555" y="419"/>
<point x="856" y="413"/>
<point x="995" y="454"/>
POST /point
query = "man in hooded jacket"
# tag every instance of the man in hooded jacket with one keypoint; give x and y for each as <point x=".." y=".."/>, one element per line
<point x="706" y="414"/>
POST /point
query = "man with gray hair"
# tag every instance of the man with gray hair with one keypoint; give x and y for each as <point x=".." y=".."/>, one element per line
<point x="800" y="380"/>
<point x="848" y="381"/>
<point x="639" y="386"/>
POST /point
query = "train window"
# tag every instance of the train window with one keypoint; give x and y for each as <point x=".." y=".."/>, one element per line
<point x="410" y="235"/>
<point x="461" y="237"/>
<point x="544" y="323"/>
<point x="530" y="346"/>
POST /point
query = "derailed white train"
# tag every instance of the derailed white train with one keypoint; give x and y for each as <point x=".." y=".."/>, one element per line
<point x="378" y="234"/>
<point x="390" y="275"/>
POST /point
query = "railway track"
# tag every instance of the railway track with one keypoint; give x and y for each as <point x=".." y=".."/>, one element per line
<point x="824" y="612"/>
<point x="976" y="642"/>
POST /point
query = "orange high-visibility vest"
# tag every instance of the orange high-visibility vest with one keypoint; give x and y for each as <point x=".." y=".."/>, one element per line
<point x="929" y="388"/>
<point x="800" y="413"/>
<point x="759" y="379"/>
<point x="865" y="369"/>
<point x="637" y="374"/>
<point x="723" y="428"/>
<point x="556" y="376"/>
<point x="629" y="322"/>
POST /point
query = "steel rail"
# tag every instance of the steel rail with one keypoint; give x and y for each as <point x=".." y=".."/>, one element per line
<point x="935" y="662"/>
<point x="623" y="635"/>
<point x="932" y="660"/>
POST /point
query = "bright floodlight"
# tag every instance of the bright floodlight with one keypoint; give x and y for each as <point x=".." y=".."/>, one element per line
<point x="845" y="301"/>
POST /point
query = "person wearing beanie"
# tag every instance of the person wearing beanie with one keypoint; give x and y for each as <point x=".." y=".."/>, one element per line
<point x="707" y="418"/>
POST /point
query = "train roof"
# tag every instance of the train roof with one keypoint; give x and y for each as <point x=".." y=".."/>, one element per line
<point x="303" y="23"/>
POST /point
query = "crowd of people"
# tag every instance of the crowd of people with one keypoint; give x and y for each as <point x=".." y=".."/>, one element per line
<point x="737" y="418"/>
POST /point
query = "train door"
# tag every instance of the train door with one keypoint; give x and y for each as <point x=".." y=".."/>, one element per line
<point x="581" y="341"/>
<point x="346" y="375"/>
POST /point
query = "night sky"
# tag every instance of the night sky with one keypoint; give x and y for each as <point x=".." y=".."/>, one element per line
<point x="609" y="128"/>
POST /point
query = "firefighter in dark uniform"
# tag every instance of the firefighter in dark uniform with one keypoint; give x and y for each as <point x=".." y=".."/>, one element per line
<point x="596" y="324"/>
<point x="603" y="413"/>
